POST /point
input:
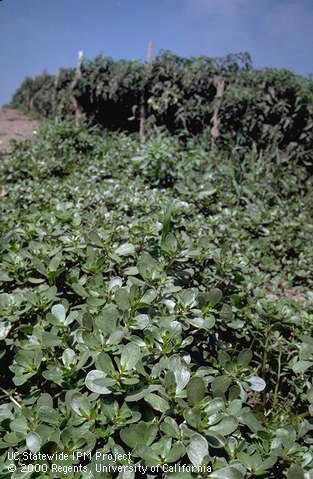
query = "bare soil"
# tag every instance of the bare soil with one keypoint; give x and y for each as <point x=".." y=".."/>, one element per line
<point x="14" y="125"/>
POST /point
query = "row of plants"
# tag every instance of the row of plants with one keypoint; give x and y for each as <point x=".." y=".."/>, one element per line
<point x="155" y="300"/>
<point x="268" y="107"/>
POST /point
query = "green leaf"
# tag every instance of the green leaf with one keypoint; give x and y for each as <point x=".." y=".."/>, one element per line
<point x="197" y="449"/>
<point x="96" y="382"/>
<point x="149" y="296"/>
<point x="220" y="385"/>
<point x="177" y="451"/>
<point x="4" y="276"/>
<point x="104" y="363"/>
<point x="300" y="367"/>
<point x="257" y="384"/>
<point x="130" y="356"/>
<point x="158" y="403"/>
<point x="33" y="442"/>
<point x="227" y="313"/>
<point x="166" y="227"/>
<point x="245" y="357"/>
<point x="196" y="390"/>
<point x="187" y="297"/>
<point x="125" y="249"/>
<point x="250" y="420"/>
<point x="150" y="457"/>
<point x="181" y="374"/>
<point x="68" y="357"/>
<point x="19" y="425"/>
<point x="122" y="299"/>
<point x="170" y="428"/>
<point x="214" y="297"/>
<point x="55" y="263"/>
<point x="108" y="318"/>
<point x="142" y="321"/>
<point x="295" y="472"/>
<point x="179" y="475"/>
<point x="48" y="415"/>
<point x="58" y="312"/>
<point x="310" y="395"/>
<point x="5" y="328"/>
<point x="5" y="412"/>
<point x="227" y="473"/>
<point x="116" y="337"/>
<point x="148" y="267"/>
<point x="215" y="439"/>
<point x="226" y="426"/>
<point x="80" y="405"/>
<point x="126" y="473"/>
<point x="139" y="434"/>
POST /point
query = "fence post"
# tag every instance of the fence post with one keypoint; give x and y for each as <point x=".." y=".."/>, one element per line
<point x="55" y="93"/>
<point x="78" y="72"/>
<point x="219" y="83"/>
<point x="3" y="191"/>
<point x="150" y="56"/>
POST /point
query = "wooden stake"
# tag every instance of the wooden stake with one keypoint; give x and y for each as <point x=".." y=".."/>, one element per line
<point x="3" y="192"/>
<point x="55" y="94"/>
<point x="77" y="76"/>
<point x="150" y="57"/>
<point x="150" y="53"/>
<point x="219" y="83"/>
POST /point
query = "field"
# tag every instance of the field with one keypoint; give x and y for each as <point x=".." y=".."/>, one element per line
<point x="14" y="126"/>
<point x="156" y="302"/>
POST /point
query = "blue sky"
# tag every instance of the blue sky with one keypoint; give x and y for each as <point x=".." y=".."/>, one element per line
<point x="38" y="34"/>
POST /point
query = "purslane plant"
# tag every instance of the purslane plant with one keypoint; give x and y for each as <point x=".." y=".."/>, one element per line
<point x="165" y="322"/>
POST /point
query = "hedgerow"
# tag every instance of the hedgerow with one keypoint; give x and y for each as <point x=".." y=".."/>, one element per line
<point x="156" y="300"/>
<point x="266" y="107"/>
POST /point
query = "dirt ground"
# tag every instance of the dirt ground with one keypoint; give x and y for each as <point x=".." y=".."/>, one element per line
<point x="14" y="125"/>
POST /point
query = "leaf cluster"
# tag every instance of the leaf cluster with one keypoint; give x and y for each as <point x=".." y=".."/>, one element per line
<point x="155" y="299"/>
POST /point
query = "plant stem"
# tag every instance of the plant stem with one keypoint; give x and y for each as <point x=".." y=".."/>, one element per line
<point x="11" y="398"/>
<point x="264" y="359"/>
<point x="278" y="380"/>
